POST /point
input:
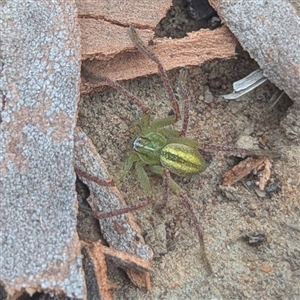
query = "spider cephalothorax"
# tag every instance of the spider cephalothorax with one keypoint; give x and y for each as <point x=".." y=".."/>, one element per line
<point x="163" y="150"/>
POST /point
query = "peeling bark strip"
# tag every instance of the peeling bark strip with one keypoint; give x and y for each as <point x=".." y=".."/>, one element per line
<point x="103" y="40"/>
<point x="40" y="250"/>
<point x="137" y="269"/>
<point x="95" y="256"/>
<point x="95" y="269"/>
<point x="195" y="49"/>
<point x="106" y="42"/>
<point x="142" y="13"/>
<point x="269" y="31"/>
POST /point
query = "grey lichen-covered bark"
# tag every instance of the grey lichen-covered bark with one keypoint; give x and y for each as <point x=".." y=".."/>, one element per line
<point x="269" y="31"/>
<point x="39" y="92"/>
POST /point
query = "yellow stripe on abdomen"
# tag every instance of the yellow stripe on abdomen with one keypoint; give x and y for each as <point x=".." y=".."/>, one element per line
<point x="182" y="160"/>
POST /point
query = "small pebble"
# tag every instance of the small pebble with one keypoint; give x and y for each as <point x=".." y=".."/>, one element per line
<point x="208" y="96"/>
<point x="266" y="268"/>
<point x="252" y="267"/>
<point x="253" y="206"/>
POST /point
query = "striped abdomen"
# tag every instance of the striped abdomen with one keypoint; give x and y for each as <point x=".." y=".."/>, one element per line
<point x="182" y="160"/>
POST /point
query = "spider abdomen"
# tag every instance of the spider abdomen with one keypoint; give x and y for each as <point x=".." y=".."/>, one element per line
<point x="182" y="160"/>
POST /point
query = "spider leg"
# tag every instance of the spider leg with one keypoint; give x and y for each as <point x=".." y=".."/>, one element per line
<point x="166" y="189"/>
<point x="96" y="78"/>
<point x="185" y="96"/>
<point x="141" y="173"/>
<point x="97" y="180"/>
<point x="174" y="136"/>
<point x="143" y="178"/>
<point x="120" y="211"/>
<point x="140" y="45"/>
<point x="233" y="149"/>
<point x="127" y="166"/>
<point x="166" y="186"/>
<point x="188" y="205"/>
<point x="161" y="123"/>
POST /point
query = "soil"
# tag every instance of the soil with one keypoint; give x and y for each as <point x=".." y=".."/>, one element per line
<point x="231" y="217"/>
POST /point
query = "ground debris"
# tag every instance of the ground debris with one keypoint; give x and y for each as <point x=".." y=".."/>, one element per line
<point x="96" y="255"/>
<point x="245" y="167"/>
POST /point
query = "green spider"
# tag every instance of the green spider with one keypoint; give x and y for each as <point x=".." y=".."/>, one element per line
<point x="161" y="149"/>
